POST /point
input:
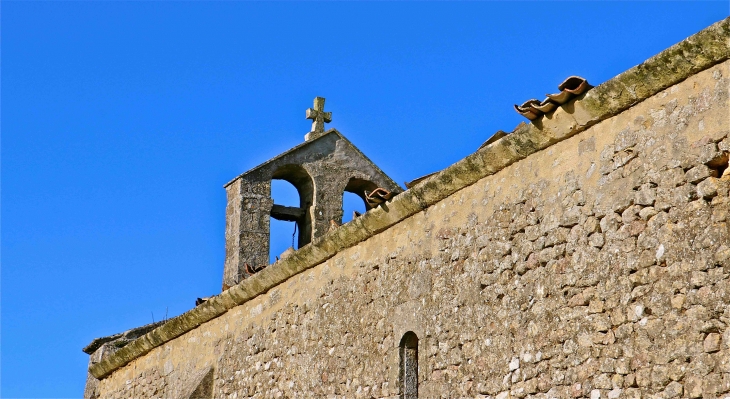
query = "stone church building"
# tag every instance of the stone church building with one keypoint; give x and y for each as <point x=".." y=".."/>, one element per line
<point x="585" y="254"/>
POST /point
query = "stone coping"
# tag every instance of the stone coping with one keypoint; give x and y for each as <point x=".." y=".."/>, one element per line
<point x="122" y="338"/>
<point x="690" y="56"/>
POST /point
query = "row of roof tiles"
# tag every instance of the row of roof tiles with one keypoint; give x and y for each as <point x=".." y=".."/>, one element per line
<point x="533" y="109"/>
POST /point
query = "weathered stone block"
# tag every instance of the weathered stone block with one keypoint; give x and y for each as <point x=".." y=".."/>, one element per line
<point x="673" y="390"/>
<point x="712" y="343"/>
<point x="697" y="174"/>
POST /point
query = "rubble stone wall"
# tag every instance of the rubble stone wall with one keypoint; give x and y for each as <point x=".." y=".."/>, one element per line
<point x="596" y="268"/>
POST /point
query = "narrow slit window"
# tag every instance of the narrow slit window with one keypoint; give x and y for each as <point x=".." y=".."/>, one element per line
<point x="409" y="366"/>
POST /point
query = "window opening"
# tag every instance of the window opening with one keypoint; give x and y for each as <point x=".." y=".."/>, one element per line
<point x="409" y="366"/>
<point x="353" y="199"/>
<point x="351" y="203"/>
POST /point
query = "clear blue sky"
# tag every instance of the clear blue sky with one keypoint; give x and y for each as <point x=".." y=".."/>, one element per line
<point x="121" y="121"/>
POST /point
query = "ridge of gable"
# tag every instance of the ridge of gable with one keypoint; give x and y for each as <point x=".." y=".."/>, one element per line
<point x="308" y="143"/>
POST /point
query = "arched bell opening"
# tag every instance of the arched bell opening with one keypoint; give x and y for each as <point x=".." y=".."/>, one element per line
<point x="283" y="232"/>
<point x="353" y="198"/>
<point x="352" y="206"/>
<point x="295" y="211"/>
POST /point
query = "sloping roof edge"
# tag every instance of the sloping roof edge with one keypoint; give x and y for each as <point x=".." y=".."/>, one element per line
<point x="306" y="143"/>
<point x="289" y="151"/>
<point x="686" y="58"/>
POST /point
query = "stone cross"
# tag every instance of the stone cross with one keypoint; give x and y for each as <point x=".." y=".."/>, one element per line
<point x="318" y="116"/>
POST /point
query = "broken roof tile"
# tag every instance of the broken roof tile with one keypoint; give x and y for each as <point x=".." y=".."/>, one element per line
<point x="546" y="106"/>
<point x="527" y="110"/>
<point x="560" y="98"/>
<point x="377" y="196"/>
<point x="575" y="85"/>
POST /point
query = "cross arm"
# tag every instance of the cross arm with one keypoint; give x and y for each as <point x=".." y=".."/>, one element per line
<point x="313" y="114"/>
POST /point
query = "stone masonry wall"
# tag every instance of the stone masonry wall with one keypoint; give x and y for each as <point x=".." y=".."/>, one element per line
<point x="599" y="267"/>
